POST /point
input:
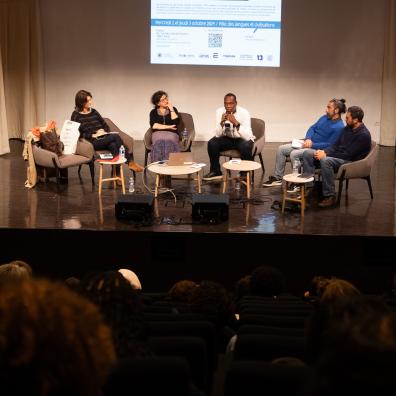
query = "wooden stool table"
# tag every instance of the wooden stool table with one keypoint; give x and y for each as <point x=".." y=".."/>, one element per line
<point x="164" y="169"/>
<point x="295" y="197"/>
<point x="114" y="176"/>
<point x="243" y="166"/>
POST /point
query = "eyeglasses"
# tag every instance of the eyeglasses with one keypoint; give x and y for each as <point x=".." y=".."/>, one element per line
<point x="163" y="99"/>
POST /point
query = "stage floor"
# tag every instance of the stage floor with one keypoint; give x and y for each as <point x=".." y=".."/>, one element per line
<point x="72" y="231"/>
<point x="77" y="205"/>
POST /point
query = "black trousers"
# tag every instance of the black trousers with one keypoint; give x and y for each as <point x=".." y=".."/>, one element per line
<point x="222" y="143"/>
<point x="111" y="142"/>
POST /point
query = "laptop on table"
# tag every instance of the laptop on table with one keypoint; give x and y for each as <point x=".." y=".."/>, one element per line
<point x="180" y="159"/>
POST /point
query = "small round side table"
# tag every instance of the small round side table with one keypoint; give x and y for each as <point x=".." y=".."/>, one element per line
<point x="292" y="197"/>
<point x="243" y="166"/>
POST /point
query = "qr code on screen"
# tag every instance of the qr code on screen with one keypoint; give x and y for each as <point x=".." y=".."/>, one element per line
<point x="215" y="40"/>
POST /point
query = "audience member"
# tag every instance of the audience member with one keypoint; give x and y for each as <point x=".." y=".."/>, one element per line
<point x="336" y="289"/>
<point x="266" y="281"/>
<point x="73" y="283"/>
<point x="233" y="131"/>
<point x="131" y="277"/>
<point x="320" y="135"/>
<point x="315" y="288"/>
<point x="353" y="144"/>
<point x="339" y="308"/>
<point x="358" y="351"/>
<point x="182" y="291"/>
<point x="241" y="289"/>
<point x="52" y="341"/>
<point x="122" y="309"/>
<point x="24" y="264"/>
<point x="13" y="273"/>
<point x="212" y="300"/>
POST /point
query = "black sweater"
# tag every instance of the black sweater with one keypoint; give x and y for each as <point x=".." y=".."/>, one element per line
<point x="163" y="119"/>
<point x="352" y="145"/>
<point x="90" y="123"/>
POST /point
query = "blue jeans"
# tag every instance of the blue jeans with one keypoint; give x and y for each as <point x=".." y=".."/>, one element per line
<point x="284" y="151"/>
<point x="328" y="166"/>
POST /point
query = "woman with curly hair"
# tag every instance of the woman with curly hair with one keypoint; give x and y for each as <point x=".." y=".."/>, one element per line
<point x="52" y="341"/>
<point x="122" y="309"/>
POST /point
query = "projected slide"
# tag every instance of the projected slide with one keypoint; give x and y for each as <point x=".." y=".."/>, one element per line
<point x="216" y="32"/>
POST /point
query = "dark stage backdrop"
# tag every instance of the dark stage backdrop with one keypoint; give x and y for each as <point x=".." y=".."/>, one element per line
<point x="160" y="259"/>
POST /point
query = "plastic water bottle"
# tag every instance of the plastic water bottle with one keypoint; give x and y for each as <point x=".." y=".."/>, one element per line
<point x="184" y="135"/>
<point x="122" y="152"/>
<point x="296" y="165"/>
<point x="131" y="187"/>
<point x="237" y="185"/>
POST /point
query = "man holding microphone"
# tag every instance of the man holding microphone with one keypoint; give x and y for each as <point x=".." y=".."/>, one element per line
<point x="233" y="131"/>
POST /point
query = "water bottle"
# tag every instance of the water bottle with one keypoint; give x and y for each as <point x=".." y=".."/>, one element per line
<point x="131" y="187"/>
<point x="296" y="165"/>
<point x="122" y="152"/>
<point x="237" y="185"/>
<point x="184" y="135"/>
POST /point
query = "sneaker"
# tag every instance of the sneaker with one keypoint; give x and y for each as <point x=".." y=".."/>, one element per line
<point x="272" y="181"/>
<point x="327" y="202"/>
<point x="134" y="166"/>
<point x="293" y="188"/>
<point x="213" y="176"/>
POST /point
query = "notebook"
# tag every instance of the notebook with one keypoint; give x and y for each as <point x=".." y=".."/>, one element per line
<point x="180" y="159"/>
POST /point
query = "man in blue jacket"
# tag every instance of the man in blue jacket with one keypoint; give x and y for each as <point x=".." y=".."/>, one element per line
<point x="320" y="135"/>
<point x="353" y="144"/>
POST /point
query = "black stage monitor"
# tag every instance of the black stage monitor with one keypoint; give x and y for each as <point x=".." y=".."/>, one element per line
<point x="136" y="207"/>
<point x="210" y="208"/>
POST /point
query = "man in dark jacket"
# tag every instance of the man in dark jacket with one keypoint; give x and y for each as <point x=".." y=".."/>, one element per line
<point x="353" y="144"/>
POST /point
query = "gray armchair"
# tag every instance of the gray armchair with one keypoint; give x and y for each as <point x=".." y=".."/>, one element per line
<point x="126" y="139"/>
<point x="186" y="121"/>
<point x="258" y="129"/>
<point x="46" y="159"/>
<point x="357" y="170"/>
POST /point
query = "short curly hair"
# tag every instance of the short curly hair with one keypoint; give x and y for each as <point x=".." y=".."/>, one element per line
<point x="52" y="341"/>
<point x="156" y="97"/>
<point x="266" y="281"/>
<point x="182" y="290"/>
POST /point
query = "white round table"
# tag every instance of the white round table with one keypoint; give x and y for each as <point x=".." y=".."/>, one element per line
<point x="292" y="197"/>
<point x="114" y="176"/>
<point x="164" y="169"/>
<point x="243" y="166"/>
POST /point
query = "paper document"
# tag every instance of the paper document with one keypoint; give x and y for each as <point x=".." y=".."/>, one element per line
<point x="69" y="136"/>
<point x="297" y="143"/>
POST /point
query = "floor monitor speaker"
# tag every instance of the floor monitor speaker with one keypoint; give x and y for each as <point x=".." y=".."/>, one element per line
<point x="210" y="208"/>
<point x="136" y="207"/>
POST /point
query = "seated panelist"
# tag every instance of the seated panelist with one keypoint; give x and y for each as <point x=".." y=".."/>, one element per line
<point x="94" y="128"/>
<point x="164" y="121"/>
<point x="233" y="131"/>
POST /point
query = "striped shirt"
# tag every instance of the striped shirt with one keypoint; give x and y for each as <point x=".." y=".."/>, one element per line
<point x="89" y="123"/>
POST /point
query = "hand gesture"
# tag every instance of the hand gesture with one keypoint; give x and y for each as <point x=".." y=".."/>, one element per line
<point x="307" y="143"/>
<point x="232" y="119"/>
<point x="319" y="154"/>
<point x="170" y="106"/>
